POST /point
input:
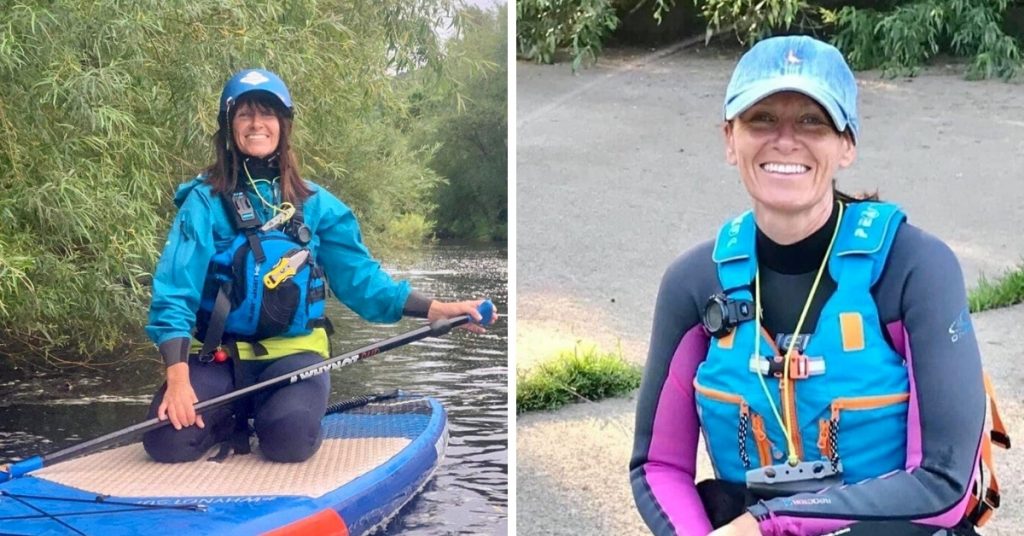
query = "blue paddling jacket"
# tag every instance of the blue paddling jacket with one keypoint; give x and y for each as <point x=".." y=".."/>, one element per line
<point x="203" y="228"/>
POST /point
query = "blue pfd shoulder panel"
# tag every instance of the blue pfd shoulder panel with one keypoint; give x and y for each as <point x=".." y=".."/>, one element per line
<point x="849" y="388"/>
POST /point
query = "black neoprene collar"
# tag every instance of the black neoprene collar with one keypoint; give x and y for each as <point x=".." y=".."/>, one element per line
<point x="798" y="258"/>
<point x="260" y="168"/>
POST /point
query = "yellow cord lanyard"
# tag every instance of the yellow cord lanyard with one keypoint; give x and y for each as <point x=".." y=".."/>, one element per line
<point x="787" y="425"/>
<point x="281" y="214"/>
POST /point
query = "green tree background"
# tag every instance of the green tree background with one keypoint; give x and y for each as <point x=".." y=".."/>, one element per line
<point x="470" y="124"/>
<point x="106" y="106"/>
<point x="896" y="36"/>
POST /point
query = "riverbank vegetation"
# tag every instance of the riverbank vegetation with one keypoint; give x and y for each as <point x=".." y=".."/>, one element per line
<point x="577" y="375"/>
<point x="108" y="105"/>
<point x="469" y="124"/>
<point x="896" y="36"/>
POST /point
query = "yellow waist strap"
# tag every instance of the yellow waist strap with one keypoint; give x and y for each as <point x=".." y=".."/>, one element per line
<point x="277" y="347"/>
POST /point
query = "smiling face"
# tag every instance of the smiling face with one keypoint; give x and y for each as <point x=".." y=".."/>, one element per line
<point x="256" y="130"/>
<point x="787" y="151"/>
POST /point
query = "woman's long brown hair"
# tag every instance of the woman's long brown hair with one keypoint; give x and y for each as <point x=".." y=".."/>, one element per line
<point x="222" y="174"/>
<point x="854" y="198"/>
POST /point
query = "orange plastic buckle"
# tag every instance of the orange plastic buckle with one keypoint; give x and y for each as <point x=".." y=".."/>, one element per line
<point x="799" y="367"/>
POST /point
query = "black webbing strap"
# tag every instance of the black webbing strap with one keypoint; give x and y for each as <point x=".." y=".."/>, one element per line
<point x="218" y="318"/>
<point x="298" y="219"/>
<point x="316" y="294"/>
<point x="237" y="441"/>
<point x="255" y="246"/>
<point x="239" y="438"/>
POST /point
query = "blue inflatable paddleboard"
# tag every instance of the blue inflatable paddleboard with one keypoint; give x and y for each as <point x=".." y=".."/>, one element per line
<point x="373" y="460"/>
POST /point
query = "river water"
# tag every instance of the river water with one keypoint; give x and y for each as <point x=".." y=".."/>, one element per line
<point x="468" y="373"/>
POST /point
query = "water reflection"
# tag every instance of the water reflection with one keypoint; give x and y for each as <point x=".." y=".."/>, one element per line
<point x="466" y="372"/>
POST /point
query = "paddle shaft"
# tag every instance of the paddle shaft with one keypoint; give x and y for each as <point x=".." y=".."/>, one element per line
<point x="435" y="329"/>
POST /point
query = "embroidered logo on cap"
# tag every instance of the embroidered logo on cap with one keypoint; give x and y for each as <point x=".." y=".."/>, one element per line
<point x="254" y="78"/>
<point x="791" y="57"/>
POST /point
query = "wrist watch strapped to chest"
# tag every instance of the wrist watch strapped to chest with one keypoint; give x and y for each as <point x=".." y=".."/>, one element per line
<point x="722" y="314"/>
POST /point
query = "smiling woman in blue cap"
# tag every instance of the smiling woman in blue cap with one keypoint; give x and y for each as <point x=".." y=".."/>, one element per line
<point x="815" y="343"/>
<point x="220" y="325"/>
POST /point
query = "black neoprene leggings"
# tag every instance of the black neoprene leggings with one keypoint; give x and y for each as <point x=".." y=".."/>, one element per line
<point x="286" y="419"/>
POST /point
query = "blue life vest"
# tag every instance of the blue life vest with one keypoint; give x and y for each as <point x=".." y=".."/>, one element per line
<point x="288" y="303"/>
<point x="851" y="398"/>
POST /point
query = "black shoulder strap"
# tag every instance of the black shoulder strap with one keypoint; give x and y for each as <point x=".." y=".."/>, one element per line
<point x="299" y="216"/>
<point x="243" y="215"/>
<point x="297" y="222"/>
<point x="215" y="326"/>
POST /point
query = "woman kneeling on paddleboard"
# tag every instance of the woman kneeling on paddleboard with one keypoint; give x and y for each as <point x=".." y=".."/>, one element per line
<point x="239" y="291"/>
<point x="820" y="344"/>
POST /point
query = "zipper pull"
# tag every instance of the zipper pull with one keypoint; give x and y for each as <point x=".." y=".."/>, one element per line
<point x="758" y="426"/>
<point x="822" y="435"/>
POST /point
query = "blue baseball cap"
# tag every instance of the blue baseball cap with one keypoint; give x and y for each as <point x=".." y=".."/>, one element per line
<point x="796" y="63"/>
<point x="249" y="80"/>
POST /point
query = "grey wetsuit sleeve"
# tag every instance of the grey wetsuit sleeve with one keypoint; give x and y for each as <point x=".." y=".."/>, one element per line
<point x="663" y="464"/>
<point x="923" y="305"/>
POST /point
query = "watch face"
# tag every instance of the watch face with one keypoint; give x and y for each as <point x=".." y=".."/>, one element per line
<point x="714" y="315"/>
<point x="304" y="235"/>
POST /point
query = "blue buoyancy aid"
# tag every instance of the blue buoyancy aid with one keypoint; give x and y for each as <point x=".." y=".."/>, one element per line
<point x="275" y="287"/>
<point x="850" y="388"/>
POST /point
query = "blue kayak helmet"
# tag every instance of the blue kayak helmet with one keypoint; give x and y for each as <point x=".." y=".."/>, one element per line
<point x="247" y="81"/>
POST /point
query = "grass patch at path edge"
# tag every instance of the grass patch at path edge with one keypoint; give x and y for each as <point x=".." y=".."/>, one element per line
<point x="1002" y="292"/>
<point x="575" y="375"/>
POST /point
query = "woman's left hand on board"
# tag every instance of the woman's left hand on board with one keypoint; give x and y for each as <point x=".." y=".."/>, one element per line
<point x="439" y="310"/>
<point x="745" y="525"/>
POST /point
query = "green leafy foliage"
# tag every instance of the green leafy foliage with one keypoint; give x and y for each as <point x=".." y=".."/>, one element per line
<point x="470" y="124"/>
<point x="108" y="105"/>
<point x="660" y="8"/>
<point x="576" y="375"/>
<point x="901" y="40"/>
<point x="409" y="228"/>
<point x="897" y="36"/>
<point x="545" y="26"/>
<point x="752" y="20"/>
